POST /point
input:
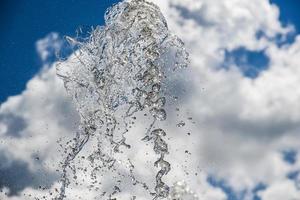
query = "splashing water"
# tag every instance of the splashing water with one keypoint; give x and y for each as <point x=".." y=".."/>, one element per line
<point x="118" y="71"/>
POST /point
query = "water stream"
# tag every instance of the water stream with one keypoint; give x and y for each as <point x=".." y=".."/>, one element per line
<point x="116" y="72"/>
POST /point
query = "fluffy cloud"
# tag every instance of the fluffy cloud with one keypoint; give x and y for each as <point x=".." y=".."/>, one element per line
<point x="281" y="190"/>
<point x="31" y="123"/>
<point x="242" y="125"/>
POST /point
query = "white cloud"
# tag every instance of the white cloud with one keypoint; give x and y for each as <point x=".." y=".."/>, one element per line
<point x="49" y="46"/>
<point x="31" y="123"/>
<point x="47" y="113"/>
<point x="281" y="190"/>
<point x="242" y="124"/>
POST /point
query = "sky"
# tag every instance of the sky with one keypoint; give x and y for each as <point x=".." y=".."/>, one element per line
<point x="288" y="12"/>
<point x="243" y="80"/>
<point x="25" y="22"/>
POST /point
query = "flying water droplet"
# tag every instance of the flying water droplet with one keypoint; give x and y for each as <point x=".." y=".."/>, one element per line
<point x="180" y="124"/>
<point x="159" y="114"/>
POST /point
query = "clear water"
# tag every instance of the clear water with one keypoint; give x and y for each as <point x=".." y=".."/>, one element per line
<point x="114" y="75"/>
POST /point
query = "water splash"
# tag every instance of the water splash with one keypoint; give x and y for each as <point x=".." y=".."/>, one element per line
<point x="118" y="71"/>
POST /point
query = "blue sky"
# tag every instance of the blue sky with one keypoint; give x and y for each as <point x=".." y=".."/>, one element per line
<point x="289" y="12"/>
<point x="25" y="22"/>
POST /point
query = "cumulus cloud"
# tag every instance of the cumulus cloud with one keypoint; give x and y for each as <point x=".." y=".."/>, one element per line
<point x="239" y="126"/>
<point x="31" y="123"/>
<point x="244" y="123"/>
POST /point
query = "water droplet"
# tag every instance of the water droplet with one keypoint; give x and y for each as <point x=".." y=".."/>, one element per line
<point x="156" y="87"/>
<point x="180" y="124"/>
<point x="159" y="114"/>
<point x="158" y="132"/>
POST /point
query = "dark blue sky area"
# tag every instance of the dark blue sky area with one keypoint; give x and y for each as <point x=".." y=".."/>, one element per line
<point x="23" y="22"/>
<point x="289" y="12"/>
